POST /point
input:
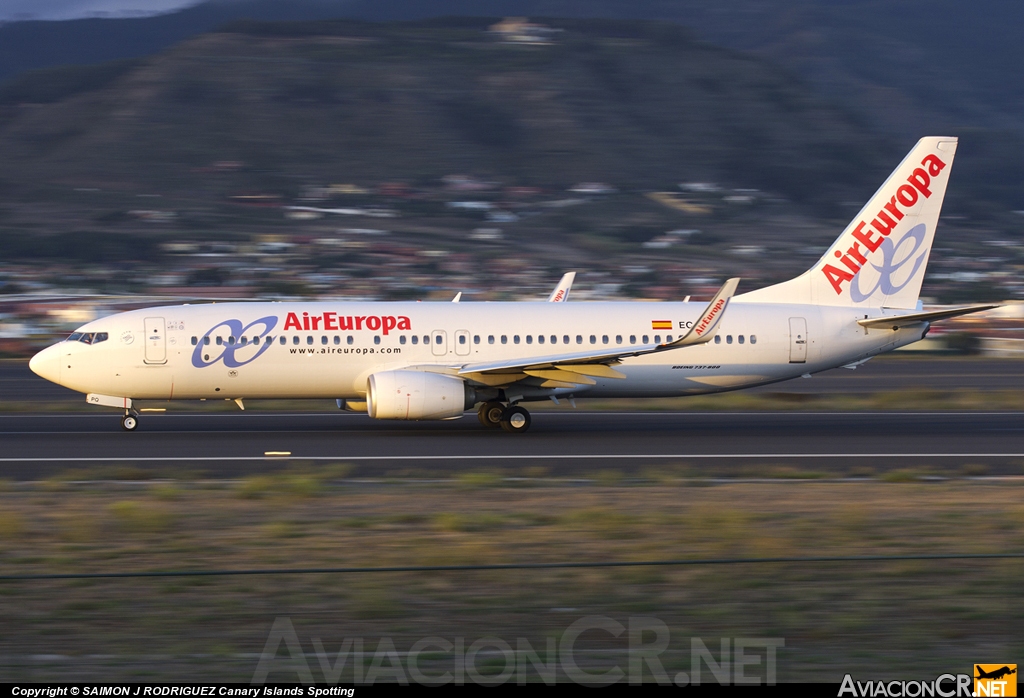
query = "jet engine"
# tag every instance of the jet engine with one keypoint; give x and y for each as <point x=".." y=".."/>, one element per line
<point x="417" y="395"/>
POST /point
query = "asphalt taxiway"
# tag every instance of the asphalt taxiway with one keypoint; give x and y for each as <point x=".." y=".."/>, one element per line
<point x="566" y="444"/>
<point x="562" y="442"/>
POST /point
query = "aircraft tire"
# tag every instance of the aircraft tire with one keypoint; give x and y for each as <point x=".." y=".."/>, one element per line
<point x="490" y="414"/>
<point x="129" y="422"/>
<point x="515" y="420"/>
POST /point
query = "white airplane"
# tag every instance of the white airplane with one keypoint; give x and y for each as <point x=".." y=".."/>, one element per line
<point x="416" y="361"/>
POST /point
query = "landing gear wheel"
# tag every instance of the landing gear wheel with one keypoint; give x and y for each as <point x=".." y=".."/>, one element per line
<point x="490" y="413"/>
<point x="129" y="423"/>
<point x="515" y="420"/>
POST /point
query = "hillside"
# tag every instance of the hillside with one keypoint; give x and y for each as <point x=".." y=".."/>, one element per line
<point x="636" y="104"/>
<point x="902" y="69"/>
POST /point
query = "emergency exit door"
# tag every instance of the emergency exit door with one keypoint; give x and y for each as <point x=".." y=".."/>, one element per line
<point x="439" y="342"/>
<point x="156" y="341"/>
<point x="797" y="340"/>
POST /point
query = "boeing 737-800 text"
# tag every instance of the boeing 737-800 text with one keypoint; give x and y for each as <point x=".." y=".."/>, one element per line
<point x="437" y="360"/>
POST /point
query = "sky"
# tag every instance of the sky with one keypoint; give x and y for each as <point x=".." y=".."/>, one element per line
<point x="70" y="9"/>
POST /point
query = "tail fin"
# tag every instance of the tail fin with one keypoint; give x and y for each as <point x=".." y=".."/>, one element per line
<point x="880" y="259"/>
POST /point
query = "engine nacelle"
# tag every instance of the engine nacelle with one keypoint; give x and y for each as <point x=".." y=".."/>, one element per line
<point x="417" y="395"/>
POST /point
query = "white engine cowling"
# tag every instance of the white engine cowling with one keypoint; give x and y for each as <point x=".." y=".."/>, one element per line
<point x="417" y="395"/>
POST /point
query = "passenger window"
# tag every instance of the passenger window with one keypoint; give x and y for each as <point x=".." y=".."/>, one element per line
<point x="220" y="341"/>
<point x="540" y="339"/>
<point x="401" y="340"/>
<point x="309" y="339"/>
<point x="565" y="339"/>
<point x="295" y="339"/>
<point x="515" y="339"/>
<point x="668" y="339"/>
<point x="476" y="339"/>
<point x="415" y="339"/>
<point x="438" y="339"/>
<point x="753" y="339"/>
<point x="504" y="339"/>
<point x="490" y="339"/>
<point x="657" y="339"/>
<point x="740" y="339"/>
<point x="426" y="339"/>
<point x="376" y="339"/>
<point x="195" y="341"/>
<point x="462" y="339"/>
<point x="256" y="340"/>
<point x="604" y="339"/>
<point x="632" y="339"/>
<point x="644" y="339"/>
<point x="231" y="340"/>
<point x="206" y="340"/>
<point x="593" y="339"/>
<point x="350" y="339"/>
<point x="618" y="339"/>
<point x="337" y="340"/>
<point x="323" y="339"/>
<point x="728" y="339"/>
<point x="284" y="340"/>
<point x="579" y="339"/>
<point x="718" y="339"/>
<point x="554" y="339"/>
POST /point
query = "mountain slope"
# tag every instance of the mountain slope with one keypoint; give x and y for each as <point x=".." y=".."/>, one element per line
<point x="639" y="104"/>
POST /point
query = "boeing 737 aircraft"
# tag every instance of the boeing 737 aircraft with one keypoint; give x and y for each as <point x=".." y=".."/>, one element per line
<point x="436" y="360"/>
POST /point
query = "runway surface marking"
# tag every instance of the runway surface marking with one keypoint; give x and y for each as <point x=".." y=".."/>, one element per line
<point x="518" y="456"/>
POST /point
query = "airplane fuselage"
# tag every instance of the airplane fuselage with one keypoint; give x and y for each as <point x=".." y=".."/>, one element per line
<point x="329" y="349"/>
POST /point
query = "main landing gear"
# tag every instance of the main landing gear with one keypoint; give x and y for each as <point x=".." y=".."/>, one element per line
<point x="513" y="419"/>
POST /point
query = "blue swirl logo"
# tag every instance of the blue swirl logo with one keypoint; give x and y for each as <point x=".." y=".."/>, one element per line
<point x="230" y="350"/>
<point x="891" y="265"/>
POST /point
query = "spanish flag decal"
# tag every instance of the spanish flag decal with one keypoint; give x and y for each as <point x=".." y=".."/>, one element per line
<point x="661" y="324"/>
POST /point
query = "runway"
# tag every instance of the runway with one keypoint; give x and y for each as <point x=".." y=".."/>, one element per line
<point x="560" y="443"/>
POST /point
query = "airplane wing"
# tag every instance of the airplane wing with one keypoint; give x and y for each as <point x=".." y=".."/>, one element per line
<point x="561" y="292"/>
<point x="898" y="321"/>
<point x="567" y="370"/>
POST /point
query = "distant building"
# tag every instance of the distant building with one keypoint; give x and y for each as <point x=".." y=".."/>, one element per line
<point x="519" y="30"/>
<point x="593" y="188"/>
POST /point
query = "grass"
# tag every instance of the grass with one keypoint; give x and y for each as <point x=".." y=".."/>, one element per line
<point x="896" y="617"/>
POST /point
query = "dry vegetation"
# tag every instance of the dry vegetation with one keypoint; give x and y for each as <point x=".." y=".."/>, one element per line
<point x="906" y="618"/>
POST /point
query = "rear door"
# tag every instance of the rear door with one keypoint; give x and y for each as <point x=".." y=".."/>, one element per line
<point x="797" y="340"/>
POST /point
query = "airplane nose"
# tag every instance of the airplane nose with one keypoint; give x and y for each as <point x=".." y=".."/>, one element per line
<point x="46" y="364"/>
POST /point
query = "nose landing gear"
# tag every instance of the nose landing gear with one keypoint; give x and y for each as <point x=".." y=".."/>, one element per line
<point x="130" y="422"/>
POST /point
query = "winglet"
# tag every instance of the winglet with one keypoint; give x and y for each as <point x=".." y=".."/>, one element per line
<point x="705" y="327"/>
<point x="458" y="297"/>
<point x="561" y="292"/>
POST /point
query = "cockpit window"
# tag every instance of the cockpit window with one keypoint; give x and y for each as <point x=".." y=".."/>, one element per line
<point x="88" y="337"/>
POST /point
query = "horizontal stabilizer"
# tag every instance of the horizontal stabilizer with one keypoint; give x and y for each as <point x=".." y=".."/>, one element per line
<point x="898" y="321"/>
